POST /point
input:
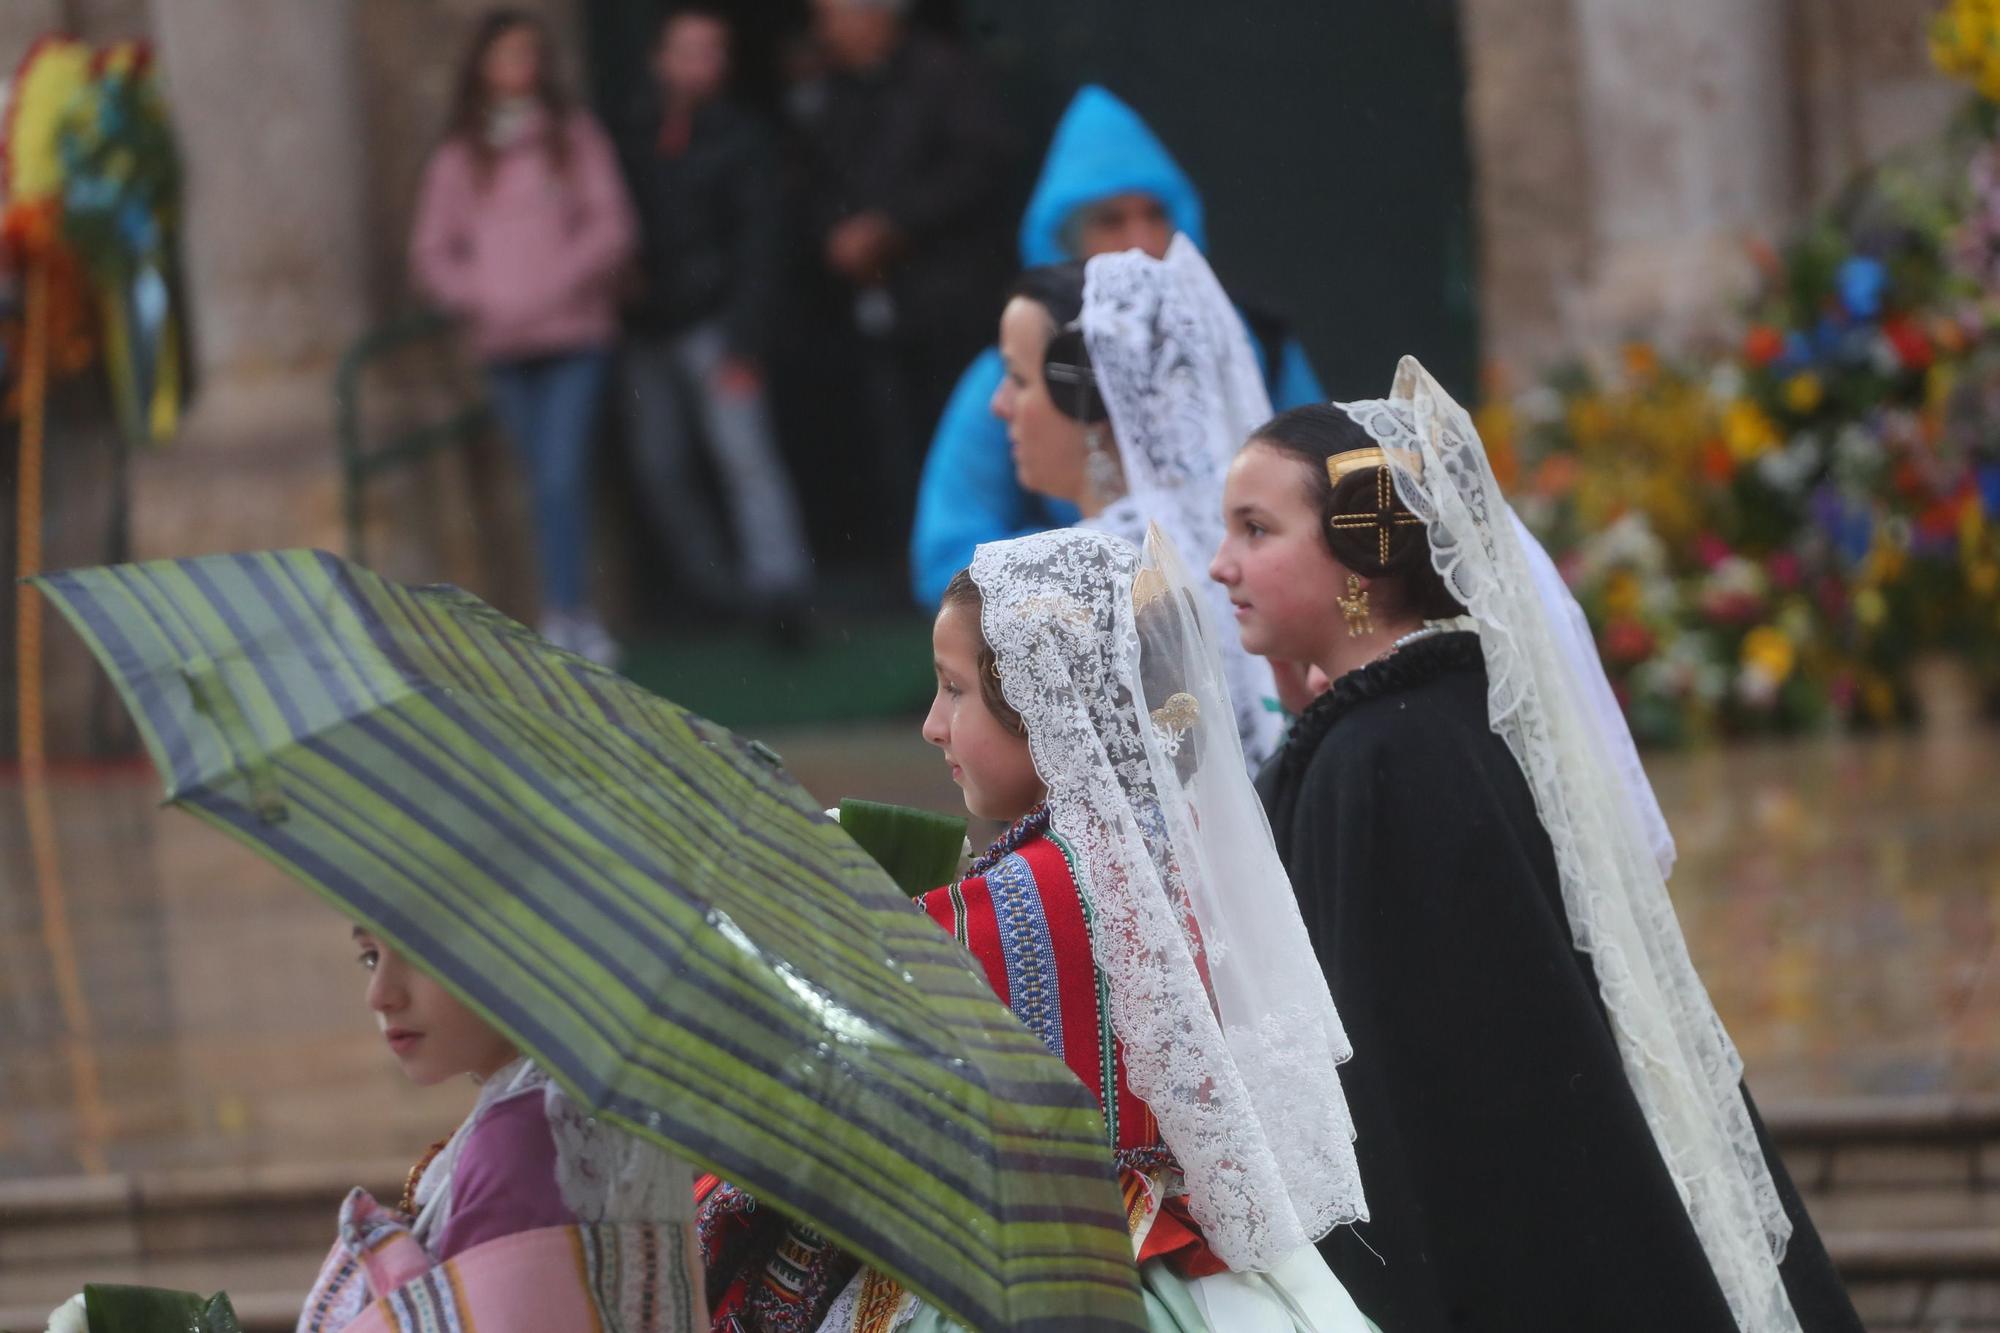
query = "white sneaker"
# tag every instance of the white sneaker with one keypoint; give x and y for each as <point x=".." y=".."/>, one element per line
<point x="590" y="639"/>
<point x="560" y="628"/>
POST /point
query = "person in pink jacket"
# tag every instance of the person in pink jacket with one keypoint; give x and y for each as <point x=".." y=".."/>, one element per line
<point x="523" y="231"/>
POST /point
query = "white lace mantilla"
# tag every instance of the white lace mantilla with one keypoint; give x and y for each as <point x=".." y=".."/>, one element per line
<point x="1229" y="1032"/>
<point x="1682" y="1066"/>
<point x="1184" y="391"/>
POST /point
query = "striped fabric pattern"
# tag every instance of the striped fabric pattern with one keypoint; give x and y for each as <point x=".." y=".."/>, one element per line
<point x="643" y="901"/>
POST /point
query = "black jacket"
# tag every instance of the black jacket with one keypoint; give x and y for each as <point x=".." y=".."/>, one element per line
<point x="1511" y="1177"/>
<point x="710" y="221"/>
<point x="923" y="141"/>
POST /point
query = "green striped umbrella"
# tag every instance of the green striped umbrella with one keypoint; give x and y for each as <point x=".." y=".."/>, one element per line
<point x="642" y="900"/>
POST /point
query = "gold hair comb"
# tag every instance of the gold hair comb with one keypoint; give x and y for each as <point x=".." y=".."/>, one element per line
<point x="1149" y="587"/>
<point x="1173" y="719"/>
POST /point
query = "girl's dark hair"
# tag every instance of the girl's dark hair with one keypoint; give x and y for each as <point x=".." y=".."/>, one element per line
<point x="963" y="594"/>
<point x="1056" y="288"/>
<point x="469" y="103"/>
<point x="1073" y="387"/>
<point x="1316" y="432"/>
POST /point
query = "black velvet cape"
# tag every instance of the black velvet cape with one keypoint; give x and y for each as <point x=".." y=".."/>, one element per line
<point x="1511" y="1179"/>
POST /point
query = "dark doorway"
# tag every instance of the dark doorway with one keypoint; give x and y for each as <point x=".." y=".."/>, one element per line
<point x="1328" y="140"/>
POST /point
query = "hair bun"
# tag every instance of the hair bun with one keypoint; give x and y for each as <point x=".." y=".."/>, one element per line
<point x="1370" y="529"/>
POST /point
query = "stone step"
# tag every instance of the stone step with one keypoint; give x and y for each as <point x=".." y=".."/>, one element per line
<point x="1906" y="1193"/>
<point x="265" y="1289"/>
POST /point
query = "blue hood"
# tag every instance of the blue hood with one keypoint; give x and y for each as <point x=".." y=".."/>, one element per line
<point x="1101" y="148"/>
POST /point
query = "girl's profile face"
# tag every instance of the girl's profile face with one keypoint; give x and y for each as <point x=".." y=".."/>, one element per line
<point x="431" y="1034"/>
<point x="512" y="65"/>
<point x="1283" y="581"/>
<point x="1048" y="446"/>
<point x="988" y="762"/>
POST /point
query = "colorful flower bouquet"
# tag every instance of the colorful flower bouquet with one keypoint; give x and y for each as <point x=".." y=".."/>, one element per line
<point x="1767" y="535"/>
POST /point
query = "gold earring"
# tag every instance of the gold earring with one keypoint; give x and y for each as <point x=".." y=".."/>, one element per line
<point x="1355" y="607"/>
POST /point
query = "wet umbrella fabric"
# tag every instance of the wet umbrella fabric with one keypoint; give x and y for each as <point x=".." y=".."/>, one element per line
<point x="641" y="899"/>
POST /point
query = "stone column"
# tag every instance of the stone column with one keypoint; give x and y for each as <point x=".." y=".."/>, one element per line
<point x="1525" y="121"/>
<point x="266" y="103"/>
<point x="1688" y="127"/>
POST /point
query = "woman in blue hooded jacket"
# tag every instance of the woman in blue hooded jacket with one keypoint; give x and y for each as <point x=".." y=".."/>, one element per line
<point x="1107" y="184"/>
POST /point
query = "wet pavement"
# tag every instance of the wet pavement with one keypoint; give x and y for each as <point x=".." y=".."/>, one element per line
<point x="1841" y="898"/>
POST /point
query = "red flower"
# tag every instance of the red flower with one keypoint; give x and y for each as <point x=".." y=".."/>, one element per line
<point x="1710" y="549"/>
<point x="1716" y="463"/>
<point x="1940" y="521"/>
<point x="1912" y="347"/>
<point x="1763" y="345"/>
<point x="1733" y="608"/>
<point x="1784" y="570"/>
<point x="1627" y="641"/>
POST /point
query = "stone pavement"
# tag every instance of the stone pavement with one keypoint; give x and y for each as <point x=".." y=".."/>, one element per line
<point x="1840" y="897"/>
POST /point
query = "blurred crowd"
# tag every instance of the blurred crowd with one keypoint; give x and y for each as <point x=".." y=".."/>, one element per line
<point x="782" y="315"/>
<point x="688" y="260"/>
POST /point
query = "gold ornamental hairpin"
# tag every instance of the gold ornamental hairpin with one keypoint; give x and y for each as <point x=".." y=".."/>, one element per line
<point x="1173" y="719"/>
<point x="1149" y="587"/>
<point x="1387" y="516"/>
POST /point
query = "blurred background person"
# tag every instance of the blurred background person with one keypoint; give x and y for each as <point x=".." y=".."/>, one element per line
<point x="905" y="170"/>
<point x="1108" y="184"/>
<point x="523" y="230"/>
<point x="706" y="181"/>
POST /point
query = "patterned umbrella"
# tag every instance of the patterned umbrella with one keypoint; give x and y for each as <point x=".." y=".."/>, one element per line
<point x="639" y="898"/>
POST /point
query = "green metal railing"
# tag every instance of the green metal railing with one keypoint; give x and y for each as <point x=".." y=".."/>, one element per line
<point x="361" y="461"/>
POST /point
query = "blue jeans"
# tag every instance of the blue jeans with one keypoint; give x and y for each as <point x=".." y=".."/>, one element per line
<point x="549" y="406"/>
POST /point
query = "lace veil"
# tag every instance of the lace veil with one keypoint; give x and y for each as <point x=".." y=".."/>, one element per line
<point x="1183" y="387"/>
<point x="1681" y="1063"/>
<point x="1229" y="1032"/>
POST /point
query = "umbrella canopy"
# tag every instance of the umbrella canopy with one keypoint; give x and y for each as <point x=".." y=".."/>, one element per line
<point x="640" y="899"/>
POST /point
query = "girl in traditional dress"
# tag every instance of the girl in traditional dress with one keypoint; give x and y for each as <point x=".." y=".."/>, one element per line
<point x="1129" y="383"/>
<point x="531" y="1217"/>
<point x="1550" y="1114"/>
<point x="1135" y="917"/>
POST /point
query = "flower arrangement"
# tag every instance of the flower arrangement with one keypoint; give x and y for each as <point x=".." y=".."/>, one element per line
<point x="1767" y="534"/>
<point x="89" y="202"/>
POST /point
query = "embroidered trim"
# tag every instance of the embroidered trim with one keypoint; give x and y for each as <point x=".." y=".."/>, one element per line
<point x="880" y="1299"/>
<point x="1027" y="950"/>
<point x="1023" y="831"/>
<point x="1107" y="1040"/>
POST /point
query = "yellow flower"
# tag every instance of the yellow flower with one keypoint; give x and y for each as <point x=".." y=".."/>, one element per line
<point x="1768" y="651"/>
<point x="1748" y="430"/>
<point x="1804" y="392"/>
<point x="1983" y="578"/>
<point x="1878" y="697"/>
<point x="1884" y="564"/>
<point x="58" y="71"/>
<point x="1871" y="608"/>
<point x="1621" y="595"/>
<point x="1641" y="361"/>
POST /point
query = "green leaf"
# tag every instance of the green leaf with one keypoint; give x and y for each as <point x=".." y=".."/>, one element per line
<point x="919" y="848"/>
<point x="121" y="1309"/>
<point x="221" y="1316"/>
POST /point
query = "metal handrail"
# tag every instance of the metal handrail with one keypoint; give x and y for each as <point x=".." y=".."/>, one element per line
<point x="358" y="461"/>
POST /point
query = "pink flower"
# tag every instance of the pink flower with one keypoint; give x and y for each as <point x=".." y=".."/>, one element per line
<point x="1785" y="571"/>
